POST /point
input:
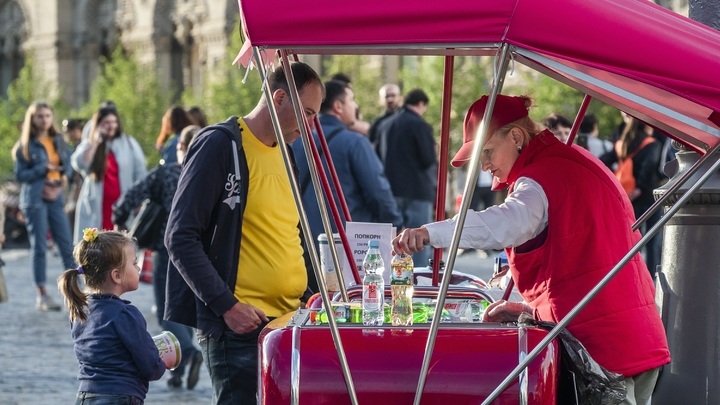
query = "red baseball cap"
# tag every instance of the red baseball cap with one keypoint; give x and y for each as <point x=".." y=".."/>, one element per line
<point x="507" y="109"/>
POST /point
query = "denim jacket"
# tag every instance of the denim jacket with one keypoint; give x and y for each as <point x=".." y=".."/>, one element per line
<point x="31" y="173"/>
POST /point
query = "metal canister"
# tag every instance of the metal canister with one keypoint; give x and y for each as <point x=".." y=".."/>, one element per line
<point x="340" y="312"/>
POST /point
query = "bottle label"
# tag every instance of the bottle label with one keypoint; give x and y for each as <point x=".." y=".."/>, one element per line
<point x="370" y="296"/>
<point x="401" y="275"/>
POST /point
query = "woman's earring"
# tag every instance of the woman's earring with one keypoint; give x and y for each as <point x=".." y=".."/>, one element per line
<point x="519" y="148"/>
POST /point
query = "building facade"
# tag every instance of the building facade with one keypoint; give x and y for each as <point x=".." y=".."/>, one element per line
<point x="68" y="38"/>
<point x="182" y="38"/>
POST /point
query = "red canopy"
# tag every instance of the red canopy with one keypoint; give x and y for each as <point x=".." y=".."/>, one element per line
<point x="632" y="54"/>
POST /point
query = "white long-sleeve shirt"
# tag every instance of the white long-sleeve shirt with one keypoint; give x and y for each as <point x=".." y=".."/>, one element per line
<point x="522" y="216"/>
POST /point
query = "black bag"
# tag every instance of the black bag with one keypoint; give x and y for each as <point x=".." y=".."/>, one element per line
<point x="582" y="379"/>
<point x="147" y="226"/>
<point x="148" y="223"/>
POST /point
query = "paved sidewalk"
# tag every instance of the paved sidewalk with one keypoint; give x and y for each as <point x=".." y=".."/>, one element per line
<point x="37" y="362"/>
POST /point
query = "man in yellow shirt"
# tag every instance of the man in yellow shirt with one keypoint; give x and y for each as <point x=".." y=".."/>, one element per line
<point x="233" y="236"/>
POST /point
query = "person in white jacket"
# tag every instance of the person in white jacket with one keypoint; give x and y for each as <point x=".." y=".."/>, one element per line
<point x="110" y="162"/>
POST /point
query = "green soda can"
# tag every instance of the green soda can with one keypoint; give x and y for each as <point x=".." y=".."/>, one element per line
<point x="420" y="312"/>
<point x="355" y="314"/>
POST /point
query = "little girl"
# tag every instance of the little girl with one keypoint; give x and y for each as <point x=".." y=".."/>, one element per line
<point x="117" y="355"/>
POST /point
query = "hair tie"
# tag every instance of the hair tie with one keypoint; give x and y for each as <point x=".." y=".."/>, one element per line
<point x="90" y="234"/>
<point x="80" y="270"/>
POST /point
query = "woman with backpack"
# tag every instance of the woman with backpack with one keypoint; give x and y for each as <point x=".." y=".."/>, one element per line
<point x="637" y="154"/>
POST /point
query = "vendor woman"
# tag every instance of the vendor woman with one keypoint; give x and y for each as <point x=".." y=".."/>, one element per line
<point x="564" y="224"/>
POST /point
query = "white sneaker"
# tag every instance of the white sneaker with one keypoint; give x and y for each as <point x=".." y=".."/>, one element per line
<point x="45" y="303"/>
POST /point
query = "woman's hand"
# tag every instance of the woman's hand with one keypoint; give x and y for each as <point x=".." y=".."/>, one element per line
<point x="411" y="240"/>
<point x="505" y="311"/>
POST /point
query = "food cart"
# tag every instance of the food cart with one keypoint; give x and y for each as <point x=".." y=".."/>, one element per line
<point x="633" y="55"/>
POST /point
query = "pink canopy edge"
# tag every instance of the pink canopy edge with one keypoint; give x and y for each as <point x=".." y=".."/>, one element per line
<point x="635" y="45"/>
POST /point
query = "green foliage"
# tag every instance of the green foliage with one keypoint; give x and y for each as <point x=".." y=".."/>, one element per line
<point x="29" y="87"/>
<point x="552" y="96"/>
<point x="367" y="78"/>
<point x="471" y="79"/>
<point x="140" y="100"/>
<point x="225" y="94"/>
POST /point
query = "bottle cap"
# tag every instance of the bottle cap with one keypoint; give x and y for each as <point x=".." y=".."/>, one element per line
<point x="374" y="244"/>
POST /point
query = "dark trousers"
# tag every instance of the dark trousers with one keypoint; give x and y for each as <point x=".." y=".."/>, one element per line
<point x="233" y="365"/>
<point x="184" y="334"/>
<point x="88" y="398"/>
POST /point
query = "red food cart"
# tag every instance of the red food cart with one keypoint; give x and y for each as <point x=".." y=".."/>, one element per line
<point x="633" y="55"/>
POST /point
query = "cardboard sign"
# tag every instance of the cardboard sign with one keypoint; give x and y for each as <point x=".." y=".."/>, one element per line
<point x="359" y="234"/>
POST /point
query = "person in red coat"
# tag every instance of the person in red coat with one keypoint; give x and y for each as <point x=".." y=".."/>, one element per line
<point x="565" y="223"/>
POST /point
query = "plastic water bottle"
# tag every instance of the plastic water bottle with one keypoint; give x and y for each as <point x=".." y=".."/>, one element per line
<point x="401" y="282"/>
<point x="373" y="286"/>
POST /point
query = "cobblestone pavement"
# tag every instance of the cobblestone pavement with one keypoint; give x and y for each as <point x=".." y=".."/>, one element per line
<point x="37" y="362"/>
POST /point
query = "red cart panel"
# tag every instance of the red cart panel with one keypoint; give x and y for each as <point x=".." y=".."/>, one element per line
<point x="469" y="361"/>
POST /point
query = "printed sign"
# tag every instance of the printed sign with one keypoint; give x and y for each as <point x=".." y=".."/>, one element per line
<point x="359" y="234"/>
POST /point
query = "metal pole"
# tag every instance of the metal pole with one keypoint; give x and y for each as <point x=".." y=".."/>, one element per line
<point x="443" y="161"/>
<point x="333" y="208"/>
<point x="331" y="169"/>
<point x="301" y="210"/>
<point x="316" y="172"/>
<point x="467" y="196"/>
<point x="579" y="307"/>
<point x="305" y="134"/>
<point x="578" y="119"/>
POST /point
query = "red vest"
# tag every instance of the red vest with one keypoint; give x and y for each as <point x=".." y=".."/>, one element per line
<point x="589" y="231"/>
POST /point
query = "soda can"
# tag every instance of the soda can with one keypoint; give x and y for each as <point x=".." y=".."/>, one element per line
<point x="168" y="349"/>
<point x="355" y="314"/>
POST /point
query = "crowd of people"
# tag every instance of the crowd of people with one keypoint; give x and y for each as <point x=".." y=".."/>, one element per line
<point x="231" y="256"/>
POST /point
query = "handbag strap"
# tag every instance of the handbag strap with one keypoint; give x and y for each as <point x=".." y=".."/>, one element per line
<point x="154" y="186"/>
<point x="647" y="141"/>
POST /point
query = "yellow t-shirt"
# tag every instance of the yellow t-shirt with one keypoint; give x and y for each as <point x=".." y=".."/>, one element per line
<point x="54" y="158"/>
<point x="271" y="270"/>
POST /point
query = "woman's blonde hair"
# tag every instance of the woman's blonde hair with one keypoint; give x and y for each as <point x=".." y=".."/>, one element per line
<point x="29" y="131"/>
<point x="529" y="127"/>
<point x="96" y="259"/>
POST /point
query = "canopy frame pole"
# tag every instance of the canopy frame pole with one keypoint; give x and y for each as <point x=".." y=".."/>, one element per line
<point x="304" y="131"/>
<point x="474" y="171"/>
<point x="334" y="210"/>
<point x="443" y="161"/>
<point x="333" y="207"/>
<point x="608" y="277"/>
<point x="314" y="168"/>
<point x="578" y="118"/>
